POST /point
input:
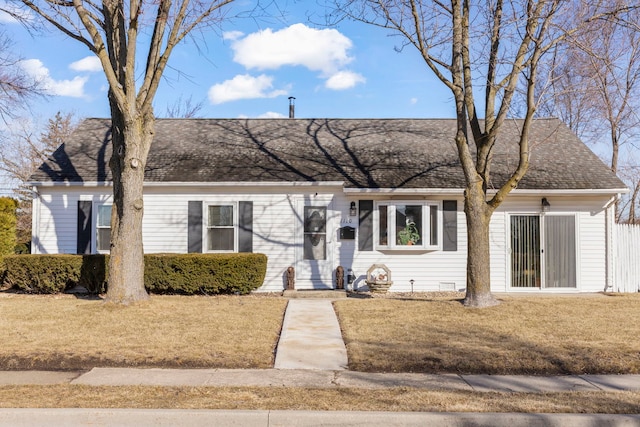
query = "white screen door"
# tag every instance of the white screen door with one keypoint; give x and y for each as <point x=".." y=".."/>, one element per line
<point x="560" y="251"/>
<point x="314" y="269"/>
<point x="543" y="251"/>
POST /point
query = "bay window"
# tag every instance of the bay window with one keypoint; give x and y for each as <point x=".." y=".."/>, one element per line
<point x="409" y="225"/>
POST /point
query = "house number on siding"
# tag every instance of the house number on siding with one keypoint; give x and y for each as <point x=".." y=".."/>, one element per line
<point x="346" y="221"/>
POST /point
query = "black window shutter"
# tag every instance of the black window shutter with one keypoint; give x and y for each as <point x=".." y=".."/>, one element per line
<point x="365" y="225"/>
<point x="84" y="227"/>
<point x="245" y="226"/>
<point x="450" y="225"/>
<point x="194" y="227"/>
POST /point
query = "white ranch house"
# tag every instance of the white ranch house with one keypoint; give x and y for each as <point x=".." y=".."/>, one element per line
<point x="316" y="194"/>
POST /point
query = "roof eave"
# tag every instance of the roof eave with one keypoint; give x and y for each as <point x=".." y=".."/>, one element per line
<point x="347" y="190"/>
<point x="194" y="184"/>
<point x="571" y="192"/>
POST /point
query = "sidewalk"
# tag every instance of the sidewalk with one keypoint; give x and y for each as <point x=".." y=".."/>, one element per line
<point x="323" y="379"/>
<point x="200" y="418"/>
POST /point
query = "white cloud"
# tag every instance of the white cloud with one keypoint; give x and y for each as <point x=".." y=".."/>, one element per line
<point x="318" y="50"/>
<point x="5" y="18"/>
<point x="11" y="12"/>
<point x="73" y="88"/>
<point x="232" y="35"/>
<point x="271" y="115"/>
<point x="244" y="87"/>
<point x="413" y="101"/>
<point x="344" y="80"/>
<point x="89" y="64"/>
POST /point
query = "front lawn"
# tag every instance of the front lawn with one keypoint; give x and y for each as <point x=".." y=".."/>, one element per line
<point x="61" y="332"/>
<point x="535" y="334"/>
<point x="524" y="335"/>
<point x="420" y="333"/>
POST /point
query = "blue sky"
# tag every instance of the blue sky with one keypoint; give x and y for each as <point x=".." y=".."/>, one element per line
<point x="250" y="68"/>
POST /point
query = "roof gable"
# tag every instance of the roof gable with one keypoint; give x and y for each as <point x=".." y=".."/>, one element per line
<point x="362" y="153"/>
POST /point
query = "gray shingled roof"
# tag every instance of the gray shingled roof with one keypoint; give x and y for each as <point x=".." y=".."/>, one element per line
<point x="363" y="153"/>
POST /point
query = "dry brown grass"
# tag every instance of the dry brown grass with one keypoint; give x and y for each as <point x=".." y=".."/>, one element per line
<point x="523" y="335"/>
<point x="281" y="398"/>
<point x="65" y="333"/>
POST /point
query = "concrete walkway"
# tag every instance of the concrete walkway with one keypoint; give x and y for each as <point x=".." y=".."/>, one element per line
<point x="311" y="337"/>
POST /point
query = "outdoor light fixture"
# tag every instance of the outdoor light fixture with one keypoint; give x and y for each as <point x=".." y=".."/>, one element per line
<point x="353" y="211"/>
<point x="545" y="205"/>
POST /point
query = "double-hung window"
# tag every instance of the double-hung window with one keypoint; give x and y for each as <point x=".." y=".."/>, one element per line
<point x="221" y="229"/>
<point x="103" y="228"/>
<point x="410" y="225"/>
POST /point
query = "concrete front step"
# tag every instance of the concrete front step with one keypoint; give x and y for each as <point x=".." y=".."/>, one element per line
<point x="315" y="293"/>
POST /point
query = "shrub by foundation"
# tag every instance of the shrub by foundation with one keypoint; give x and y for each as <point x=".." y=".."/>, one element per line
<point x="164" y="273"/>
<point x="7" y="228"/>
<point x="42" y="274"/>
<point x="93" y="273"/>
<point x="204" y="273"/>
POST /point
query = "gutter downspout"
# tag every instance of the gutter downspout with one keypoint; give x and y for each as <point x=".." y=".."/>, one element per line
<point x="610" y="245"/>
<point x="35" y="221"/>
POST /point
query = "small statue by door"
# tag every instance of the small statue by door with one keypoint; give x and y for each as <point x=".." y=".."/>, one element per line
<point x="340" y="277"/>
<point x="291" y="278"/>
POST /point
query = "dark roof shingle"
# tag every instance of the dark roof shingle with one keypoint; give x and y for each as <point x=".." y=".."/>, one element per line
<point x="363" y="153"/>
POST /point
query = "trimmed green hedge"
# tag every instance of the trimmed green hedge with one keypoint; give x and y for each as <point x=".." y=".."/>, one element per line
<point x="186" y="274"/>
<point x="8" y="222"/>
<point x="42" y="274"/>
<point x="204" y="274"/>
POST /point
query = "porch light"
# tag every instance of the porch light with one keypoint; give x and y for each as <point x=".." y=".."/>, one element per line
<point x="353" y="211"/>
<point x="545" y="205"/>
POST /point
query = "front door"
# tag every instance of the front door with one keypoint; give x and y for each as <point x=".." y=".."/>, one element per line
<point x="543" y="251"/>
<point x="314" y="252"/>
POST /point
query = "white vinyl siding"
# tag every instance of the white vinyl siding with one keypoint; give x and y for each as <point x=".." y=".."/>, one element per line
<point x="591" y="257"/>
<point x="276" y="222"/>
<point x="57" y="225"/>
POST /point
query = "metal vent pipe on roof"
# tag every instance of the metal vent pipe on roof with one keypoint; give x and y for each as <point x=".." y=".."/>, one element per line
<point x="292" y="107"/>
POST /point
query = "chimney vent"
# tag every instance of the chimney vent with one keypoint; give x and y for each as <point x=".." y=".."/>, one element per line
<point x="292" y="107"/>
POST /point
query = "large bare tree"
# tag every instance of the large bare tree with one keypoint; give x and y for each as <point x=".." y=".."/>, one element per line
<point x="16" y="86"/>
<point x="22" y="152"/>
<point x="630" y="205"/>
<point x="121" y="33"/>
<point x="184" y="108"/>
<point x="484" y="52"/>
<point x="595" y="89"/>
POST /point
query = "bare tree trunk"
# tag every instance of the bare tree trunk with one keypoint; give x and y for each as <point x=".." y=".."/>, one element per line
<point x="615" y="148"/>
<point x="126" y="263"/>
<point x="478" y="215"/>
<point x="632" y="203"/>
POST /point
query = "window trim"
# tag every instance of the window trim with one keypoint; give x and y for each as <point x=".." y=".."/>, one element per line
<point x="425" y="227"/>
<point x="207" y="227"/>
<point x="98" y="227"/>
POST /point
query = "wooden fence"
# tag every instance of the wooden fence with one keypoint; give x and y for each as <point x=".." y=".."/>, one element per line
<point x="627" y="258"/>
